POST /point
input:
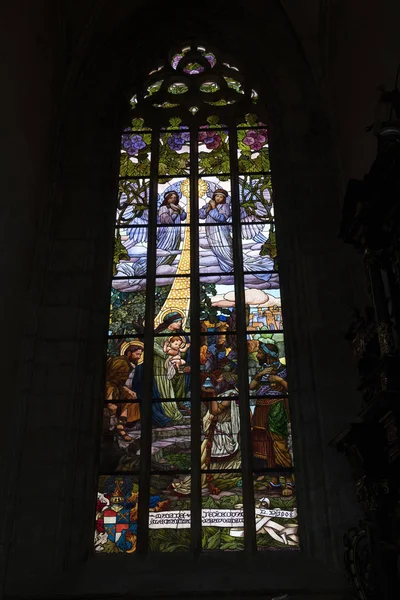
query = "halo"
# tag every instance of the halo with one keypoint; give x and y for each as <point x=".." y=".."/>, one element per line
<point x="125" y="346"/>
<point x="182" y="188"/>
<point x="185" y="188"/>
<point x="203" y="187"/>
<point x="166" y="311"/>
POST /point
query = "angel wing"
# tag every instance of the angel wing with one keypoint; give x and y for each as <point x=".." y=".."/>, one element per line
<point x="135" y="262"/>
<point x="251" y="229"/>
<point x="138" y="230"/>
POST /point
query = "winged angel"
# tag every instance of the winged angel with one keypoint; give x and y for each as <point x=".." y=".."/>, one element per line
<point x="169" y="212"/>
<point x="254" y="211"/>
<point x="255" y="207"/>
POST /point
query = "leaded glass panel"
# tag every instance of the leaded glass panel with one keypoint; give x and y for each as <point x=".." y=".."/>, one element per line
<point x="196" y="408"/>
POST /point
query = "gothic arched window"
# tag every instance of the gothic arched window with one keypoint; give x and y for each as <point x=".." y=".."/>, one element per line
<point x="196" y="447"/>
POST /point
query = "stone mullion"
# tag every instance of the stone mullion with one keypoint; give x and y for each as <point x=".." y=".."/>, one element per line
<point x="146" y="403"/>
<point x="196" y="497"/>
<point x="241" y="327"/>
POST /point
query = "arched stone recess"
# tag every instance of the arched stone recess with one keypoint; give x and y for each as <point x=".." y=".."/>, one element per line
<point x="65" y="382"/>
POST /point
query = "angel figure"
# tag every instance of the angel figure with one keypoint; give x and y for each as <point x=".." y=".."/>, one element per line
<point x="170" y="213"/>
<point x="218" y="211"/>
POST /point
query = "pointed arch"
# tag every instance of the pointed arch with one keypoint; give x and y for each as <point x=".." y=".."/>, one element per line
<point x="196" y="448"/>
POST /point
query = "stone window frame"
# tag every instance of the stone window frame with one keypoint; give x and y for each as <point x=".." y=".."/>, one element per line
<point x="147" y="110"/>
<point x="68" y="312"/>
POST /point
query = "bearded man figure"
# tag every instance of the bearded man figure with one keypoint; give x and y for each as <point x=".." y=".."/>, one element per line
<point x="122" y="410"/>
<point x="271" y="419"/>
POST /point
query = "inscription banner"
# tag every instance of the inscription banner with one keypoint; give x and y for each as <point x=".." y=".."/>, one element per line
<point x="180" y="519"/>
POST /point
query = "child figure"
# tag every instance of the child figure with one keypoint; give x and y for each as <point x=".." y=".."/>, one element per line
<point x="174" y="347"/>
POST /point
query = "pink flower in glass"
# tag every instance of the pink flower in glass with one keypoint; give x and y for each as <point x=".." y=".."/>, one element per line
<point x="254" y="139"/>
<point x="211" y="139"/>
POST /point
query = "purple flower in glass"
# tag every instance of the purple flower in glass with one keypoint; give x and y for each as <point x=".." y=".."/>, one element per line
<point x="175" y="142"/>
<point x="255" y="139"/>
<point x="185" y="135"/>
<point x="133" y="144"/>
<point x="138" y="142"/>
<point x="211" y="139"/>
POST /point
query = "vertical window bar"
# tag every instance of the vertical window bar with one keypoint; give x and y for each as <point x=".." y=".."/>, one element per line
<point x="241" y="327"/>
<point x="195" y="346"/>
<point x="146" y="404"/>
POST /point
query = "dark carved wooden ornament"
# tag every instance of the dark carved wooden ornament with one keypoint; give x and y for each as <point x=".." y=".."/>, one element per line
<point x="371" y="223"/>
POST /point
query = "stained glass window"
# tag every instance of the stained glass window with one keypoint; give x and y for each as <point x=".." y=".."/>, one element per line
<point x="196" y="447"/>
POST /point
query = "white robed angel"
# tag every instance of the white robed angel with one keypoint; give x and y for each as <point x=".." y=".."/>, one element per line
<point x="170" y="213"/>
<point x="218" y="211"/>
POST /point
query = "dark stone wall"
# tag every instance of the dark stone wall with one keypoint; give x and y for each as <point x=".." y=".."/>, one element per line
<point x="28" y="58"/>
<point x="364" y="53"/>
<point x="70" y="73"/>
